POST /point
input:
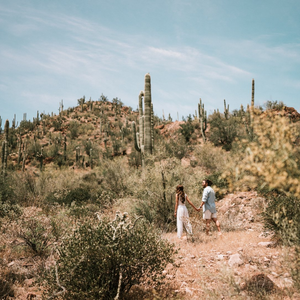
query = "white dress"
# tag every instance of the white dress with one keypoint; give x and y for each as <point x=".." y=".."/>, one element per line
<point x="183" y="219"/>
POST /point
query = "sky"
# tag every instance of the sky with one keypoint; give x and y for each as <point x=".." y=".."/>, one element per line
<point x="65" y="49"/>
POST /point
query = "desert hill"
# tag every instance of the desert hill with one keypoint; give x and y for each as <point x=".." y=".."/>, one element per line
<point x="81" y="167"/>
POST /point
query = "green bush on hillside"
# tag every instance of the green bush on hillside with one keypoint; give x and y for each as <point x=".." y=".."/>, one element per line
<point x="223" y="132"/>
<point x="282" y="216"/>
<point x="187" y="129"/>
<point x="105" y="260"/>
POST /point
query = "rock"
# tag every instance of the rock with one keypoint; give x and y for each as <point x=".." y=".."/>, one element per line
<point x="275" y="274"/>
<point x="220" y="257"/>
<point x="188" y="291"/>
<point x="265" y="244"/>
<point x="235" y="260"/>
<point x="288" y="282"/>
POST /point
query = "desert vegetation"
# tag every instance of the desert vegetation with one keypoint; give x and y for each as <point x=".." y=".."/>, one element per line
<point x="87" y="202"/>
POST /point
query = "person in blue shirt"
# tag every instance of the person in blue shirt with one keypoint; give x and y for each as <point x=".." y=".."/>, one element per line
<point x="209" y="206"/>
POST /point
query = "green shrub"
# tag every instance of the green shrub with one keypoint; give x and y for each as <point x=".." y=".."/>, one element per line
<point x="34" y="148"/>
<point x="115" y="177"/>
<point x="213" y="159"/>
<point x="36" y="235"/>
<point x="277" y="105"/>
<point x="282" y="216"/>
<point x="78" y="196"/>
<point x="176" y="149"/>
<point x="6" y="191"/>
<point x="73" y="129"/>
<point x="271" y="160"/>
<point x="86" y="128"/>
<point x="57" y="124"/>
<point x="26" y="125"/>
<point x="224" y="131"/>
<point x="104" y="260"/>
<point x="135" y="159"/>
<point x="187" y="129"/>
<point x="9" y="210"/>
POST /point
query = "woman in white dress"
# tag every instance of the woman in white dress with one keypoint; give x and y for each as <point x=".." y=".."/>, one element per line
<point x="181" y="211"/>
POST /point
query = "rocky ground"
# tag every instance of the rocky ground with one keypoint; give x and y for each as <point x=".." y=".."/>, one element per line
<point x="245" y="262"/>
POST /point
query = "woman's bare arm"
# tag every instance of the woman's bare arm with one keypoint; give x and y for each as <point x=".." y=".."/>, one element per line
<point x="189" y="201"/>
<point x="176" y="205"/>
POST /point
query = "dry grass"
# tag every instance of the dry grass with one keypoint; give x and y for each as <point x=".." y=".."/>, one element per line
<point x="203" y="269"/>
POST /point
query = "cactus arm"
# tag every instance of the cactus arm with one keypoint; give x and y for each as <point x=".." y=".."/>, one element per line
<point x="135" y="135"/>
<point x="141" y="120"/>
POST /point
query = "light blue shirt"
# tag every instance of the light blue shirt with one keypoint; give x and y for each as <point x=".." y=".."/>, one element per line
<point x="209" y="200"/>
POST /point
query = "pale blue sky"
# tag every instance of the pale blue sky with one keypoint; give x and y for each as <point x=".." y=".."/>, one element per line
<point x="54" y="50"/>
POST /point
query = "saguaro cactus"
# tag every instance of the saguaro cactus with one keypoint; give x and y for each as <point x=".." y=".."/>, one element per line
<point x="19" y="149"/>
<point x="5" y="148"/>
<point x="252" y="97"/>
<point x="226" y="110"/>
<point x="24" y="155"/>
<point x="65" y="148"/>
<point x="144" y="139"/>
<point x="202" y="119"/>
<point x="248" y="120"/>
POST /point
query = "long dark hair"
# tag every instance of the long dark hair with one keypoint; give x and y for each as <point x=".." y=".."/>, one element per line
<point x="180" y="193"/>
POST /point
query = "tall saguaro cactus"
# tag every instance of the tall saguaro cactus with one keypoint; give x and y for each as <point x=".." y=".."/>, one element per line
<point x="5" y="148"/>
<point x="144" y="139"/>
<point x="252" y="97"/>
<point x="202" y="119"/>
<point x="249" y="115"/>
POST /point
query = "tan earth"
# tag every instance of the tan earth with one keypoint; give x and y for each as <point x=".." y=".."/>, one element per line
<point x="243" y="260"/>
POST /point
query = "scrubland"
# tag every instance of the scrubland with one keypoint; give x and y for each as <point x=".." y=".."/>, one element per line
<point x="82" y="219"/>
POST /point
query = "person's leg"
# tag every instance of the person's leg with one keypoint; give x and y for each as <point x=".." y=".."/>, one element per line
<point x="179" y="227"/>
<point x="188" y="226"/>
<point x="207" y="226"/>
<point x="217" y="223"/>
